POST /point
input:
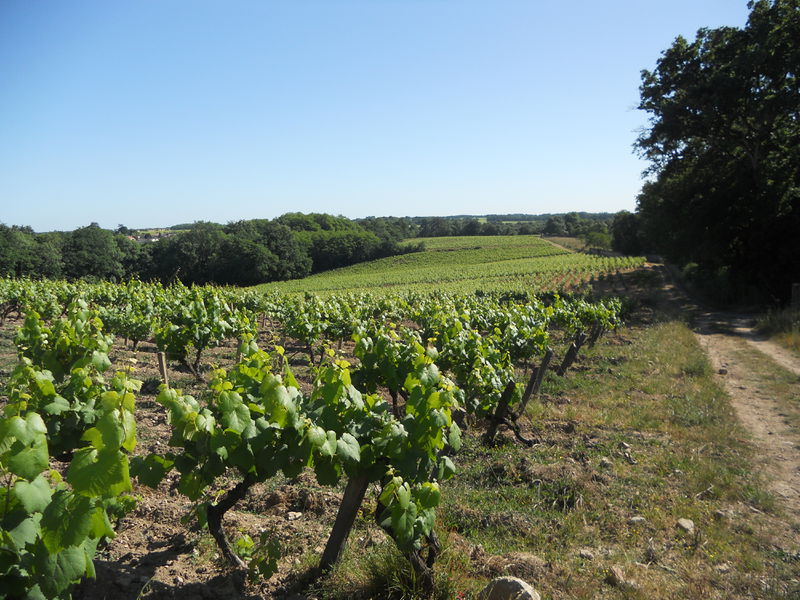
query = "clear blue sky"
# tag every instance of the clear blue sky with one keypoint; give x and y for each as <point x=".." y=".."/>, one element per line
<point x="157" y="112"/>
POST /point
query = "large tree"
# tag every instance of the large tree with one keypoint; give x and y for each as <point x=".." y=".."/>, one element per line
<point x="92" y="252"/>
<point x="17" y="250"/>
<point x="724" y="145"/>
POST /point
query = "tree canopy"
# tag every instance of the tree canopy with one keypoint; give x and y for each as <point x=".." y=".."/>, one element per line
<point x="723" y="142"/>
<point x="239" y="253"/>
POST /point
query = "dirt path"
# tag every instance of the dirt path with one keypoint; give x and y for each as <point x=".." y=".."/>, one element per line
<point x="742" y="326"/>
<point x="768" y="413"/>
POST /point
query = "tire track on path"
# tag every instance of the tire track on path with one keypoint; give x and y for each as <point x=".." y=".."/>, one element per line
<point x="772" y="419"/>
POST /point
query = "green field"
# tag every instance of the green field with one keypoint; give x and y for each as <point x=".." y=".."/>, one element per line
<point x="466" y="264"/>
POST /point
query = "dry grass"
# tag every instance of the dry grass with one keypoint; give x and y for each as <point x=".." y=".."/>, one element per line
<point x="639" y="429"/>
<point x="783" y="326"/>
<point x="570" y="243"/>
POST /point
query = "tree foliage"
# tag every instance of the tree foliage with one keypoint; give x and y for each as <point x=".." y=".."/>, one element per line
<point x="625" y="231"/>
<point x="246" y="252"/>
<point x="92" y="252"/>
<point x="723" y="143"/>
<point x="239" y="253"/>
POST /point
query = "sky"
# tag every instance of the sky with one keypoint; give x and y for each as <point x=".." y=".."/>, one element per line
<point x="151" y="113"/>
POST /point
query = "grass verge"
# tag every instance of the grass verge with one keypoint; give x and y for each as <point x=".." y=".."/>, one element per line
<point x="639" y="436"/>
<point x="783" y="326"/>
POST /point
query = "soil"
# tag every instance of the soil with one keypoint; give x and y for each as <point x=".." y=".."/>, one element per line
<point x="777" y="441"/>
<point x="726" y="337"/>
<point x="742" y="326"/>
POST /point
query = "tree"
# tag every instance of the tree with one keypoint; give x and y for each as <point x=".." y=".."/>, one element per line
<point x="597" y="239"/>
<point x="625" y="233"/>
<point x="92" y="252"/>
<point x="573" y="224"/>
<point x="245" y="262"/>
<point x="47" y="256"/>
<point x="555" y="226"/>
<point x="471" y="227"/>
<point x="436" y="227"/>
<point x="724" y="145"/>
<point x="390" y="229"/>
<point x="289" y="256"/>
<point x="17" y="250"/>
<point x="191" y="256"/>
<point x="130" y="255"/>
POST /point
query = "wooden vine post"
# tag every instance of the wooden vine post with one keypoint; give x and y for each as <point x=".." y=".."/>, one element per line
<point x="162" y="367"/>
<point x="535" y="383"/>
<point x="354" y="493"/>
<point x="572" y="353"/>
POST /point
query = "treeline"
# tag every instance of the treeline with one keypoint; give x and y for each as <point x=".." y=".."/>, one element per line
<point x="240" y="253"/>
<point x="595" y="230"/>
<point x="723" y="141"/>
<point x="541" y="218"/>
<point x="570" y="224"/>
<point x="446" y="226"/>
<point x="254" y="251"/>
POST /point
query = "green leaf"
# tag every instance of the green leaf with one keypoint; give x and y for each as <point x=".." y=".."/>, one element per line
<point x="44" y="381"/>
<point x="235" y="414"/>
<point x="348" y="449"/>
<point x="34" y="428"/>
<point x="316" y="436"/>
<point x="389" y="489"/>
<point x="35" y="495"/>
<point x="439" y="418"/>
<point x="430" y="376"/>
<point x="327" y="471"/>
<point x="35" y="593"/>
<point x="100" y="524"/>
<point x="110" y="431"/>
<point x="276" y="400"/>
<point x="129" y="431"/>
<point x="241" y="456"/>
<point x="328" y="448"/>
<point x="100" y="361"/>
<point x="99" y="472"/>
<point x="403" y="496"/>
<point x="22" y="531"/>
<point x="66" y="521"/>
<point x="11" y="429"/>
<point x="150" y="470"/>
<point x="192" y="485"/>
<point x="454" y="437"/>
<point x="446" y="468"/>
<point x="56" y="572"/>
<point x="403" y="524"/>
<point x="428" y="495"/>
<point x="29" y="455"/>
<point x="425" y="521"/>
<point x="57" y="406"/>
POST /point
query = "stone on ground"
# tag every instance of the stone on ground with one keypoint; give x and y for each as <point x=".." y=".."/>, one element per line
<point x="508" y="588"/>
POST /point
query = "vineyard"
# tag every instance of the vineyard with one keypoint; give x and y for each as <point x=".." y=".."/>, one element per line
<point x="387" y="385"/>
<point x="464" y="264"/>
<point x="349" y="445"/>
